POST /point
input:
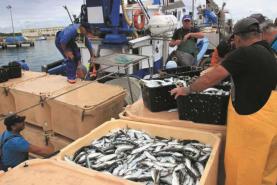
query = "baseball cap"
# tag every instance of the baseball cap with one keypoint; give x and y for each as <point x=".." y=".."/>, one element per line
<point x="13" y="119"/>
<point x="259" y="17"/>
<point x="186" y="17"/>
<point x="246" y="25"/>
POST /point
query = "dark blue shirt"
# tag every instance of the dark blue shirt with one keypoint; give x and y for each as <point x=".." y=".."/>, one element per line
<point x="14" y="151"/>
<point x="70" y="34"/>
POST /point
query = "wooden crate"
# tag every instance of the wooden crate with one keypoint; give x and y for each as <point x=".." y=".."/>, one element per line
<point x="77" y="113"/>
<point x="51" y="172"/>
<point x="210" y="173"/>
<point x="6" y="98"/>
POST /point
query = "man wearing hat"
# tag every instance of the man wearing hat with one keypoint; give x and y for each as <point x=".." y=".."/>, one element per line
<point x="185" y="39"/>
<point x="250" y="156"/>
<point x="66" y="44"/>
<point x="269" y="30"/>
<point x="14" y="148"/>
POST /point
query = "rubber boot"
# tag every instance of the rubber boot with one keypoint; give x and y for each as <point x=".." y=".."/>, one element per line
<point x="71" y="67"/>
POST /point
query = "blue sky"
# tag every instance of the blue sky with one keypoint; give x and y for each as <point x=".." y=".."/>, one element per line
<point x="45" y="13"/>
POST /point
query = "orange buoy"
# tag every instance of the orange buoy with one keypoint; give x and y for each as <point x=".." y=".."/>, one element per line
<point x="139" y="25"/>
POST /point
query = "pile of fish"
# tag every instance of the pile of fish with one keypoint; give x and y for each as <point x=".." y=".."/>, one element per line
<point x="215" y="91"/>
<point x="136" y="156"/>
<point x="184" y="82"/>
<point x="162" y="82"/>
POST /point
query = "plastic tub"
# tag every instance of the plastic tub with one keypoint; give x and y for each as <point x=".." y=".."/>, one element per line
<point x="209" y="176"/>
<point x="203" y="108"/>
<point x="76" y="113"/>
<point x="4" y="76"/>
<point x="183" y="71"/>
<point x="15" y="70"/>
<point x="51" y="172"/>
<point x="6" y="98"/>
<point x="138" y="112"/>
<point x="35" y="91"/>
<point x="158" y="99"/>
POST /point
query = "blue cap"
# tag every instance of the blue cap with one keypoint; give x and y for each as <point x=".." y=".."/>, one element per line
<point x="187" y="17"/>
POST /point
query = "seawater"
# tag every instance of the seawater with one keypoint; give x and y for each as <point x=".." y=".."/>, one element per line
<point x="44" y="52"/>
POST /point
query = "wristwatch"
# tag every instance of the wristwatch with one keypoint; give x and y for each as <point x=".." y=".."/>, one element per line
<point x="187" y="90"/>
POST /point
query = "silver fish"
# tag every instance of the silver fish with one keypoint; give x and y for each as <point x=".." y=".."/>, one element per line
<point x="175" y="178"/>
<point x="138" y="150"/>
<point x="123" y="148"/>
<point x="107" y="158"/>
<point x="148" y="155"/>
<point x="136" y="156"/>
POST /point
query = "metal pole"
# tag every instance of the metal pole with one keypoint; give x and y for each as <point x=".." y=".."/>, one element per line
<point x="193" y="12"/>
<point x="65" y="7"/>
<point x="10" y="8"/>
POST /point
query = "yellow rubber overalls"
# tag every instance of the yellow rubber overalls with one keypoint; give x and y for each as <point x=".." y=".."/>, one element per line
<point x="251" y="146"/>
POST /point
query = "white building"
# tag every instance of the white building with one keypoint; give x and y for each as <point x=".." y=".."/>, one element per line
<point x="37" y="32"/>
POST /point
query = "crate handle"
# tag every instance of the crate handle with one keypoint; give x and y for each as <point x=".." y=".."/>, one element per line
<point x="42" y="99"/>
<point x="6" y="91"/>
<point x="84" y="114"/>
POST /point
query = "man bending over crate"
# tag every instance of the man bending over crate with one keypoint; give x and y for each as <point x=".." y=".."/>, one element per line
<point x="250" y="155"/>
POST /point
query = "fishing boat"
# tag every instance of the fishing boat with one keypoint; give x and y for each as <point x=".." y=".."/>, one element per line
<point x="18" y="41"/>
<point x="143" y="28"/>
<point x="41" y="38"/>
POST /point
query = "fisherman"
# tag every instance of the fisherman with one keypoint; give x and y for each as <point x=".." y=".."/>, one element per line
<point x="250" y="157"/>
<point x="14" y="148"/>
<point x="185" y="39"/>
<point x="274" y="43"/>
<point x="66" y="44"/>
<point x="269" y="30"/>
<point x="269" y="34"/>
<point x="222" y="50"/>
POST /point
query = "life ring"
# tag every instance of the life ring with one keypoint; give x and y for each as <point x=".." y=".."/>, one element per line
<point x="139" y="25"/>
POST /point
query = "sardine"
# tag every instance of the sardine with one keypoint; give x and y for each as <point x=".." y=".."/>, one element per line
<point x="136" y="156"/>
<point x="107" y="158"/>
<point x="175" y="178"/>
<point x="138" y="150"/>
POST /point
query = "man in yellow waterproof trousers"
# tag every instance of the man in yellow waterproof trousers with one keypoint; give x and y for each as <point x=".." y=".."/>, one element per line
<point x="251" y="144"/>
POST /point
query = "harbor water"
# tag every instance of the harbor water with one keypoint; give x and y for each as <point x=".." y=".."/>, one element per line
<point x="43" y="52"/>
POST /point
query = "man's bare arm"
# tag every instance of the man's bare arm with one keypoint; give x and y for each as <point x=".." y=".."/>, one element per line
<point x="211" y="78"/>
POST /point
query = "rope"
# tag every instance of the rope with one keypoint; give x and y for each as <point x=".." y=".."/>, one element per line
<point x="54" y="97"/>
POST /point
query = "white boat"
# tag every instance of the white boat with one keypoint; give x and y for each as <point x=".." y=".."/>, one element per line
<point x="41" y="38"/>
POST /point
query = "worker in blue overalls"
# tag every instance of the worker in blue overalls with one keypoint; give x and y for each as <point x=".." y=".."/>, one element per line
<point x="14" y="148"/>
<point x="66" y="44"/>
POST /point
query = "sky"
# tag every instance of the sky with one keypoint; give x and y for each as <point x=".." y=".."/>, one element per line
<point x="36" y="13"/>
<point x="47" y="13"/>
